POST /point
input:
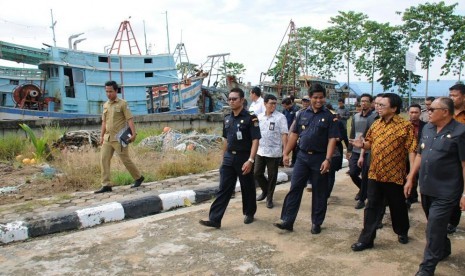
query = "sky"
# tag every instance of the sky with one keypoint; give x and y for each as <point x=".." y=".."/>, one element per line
<point x="251" y="31"/>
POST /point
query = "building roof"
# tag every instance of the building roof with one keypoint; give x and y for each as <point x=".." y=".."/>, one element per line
<point x="435" y="88"/>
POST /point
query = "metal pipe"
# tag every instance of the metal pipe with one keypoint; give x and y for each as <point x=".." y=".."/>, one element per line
<point x="71" y="38"/>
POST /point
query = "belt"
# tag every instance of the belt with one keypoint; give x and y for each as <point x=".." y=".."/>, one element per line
<point x="237" y="151"/>
<point x="314" y="152"/>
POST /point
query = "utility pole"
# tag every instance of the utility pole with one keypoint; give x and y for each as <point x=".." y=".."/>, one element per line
<point x="53" y="29"/>
<point x="145" y="37"/>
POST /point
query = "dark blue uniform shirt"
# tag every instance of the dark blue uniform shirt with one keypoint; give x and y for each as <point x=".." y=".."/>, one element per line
<point x="315" y="129"/>
<point x="248" y="127"/>
<point x="441" y="160"/>
<point x="290" y="115"/>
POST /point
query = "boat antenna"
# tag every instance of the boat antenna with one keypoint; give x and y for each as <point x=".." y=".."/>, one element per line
<point x="167" y="32"/>
<point x="145" y="37"/>
<point x="53" y="29"/>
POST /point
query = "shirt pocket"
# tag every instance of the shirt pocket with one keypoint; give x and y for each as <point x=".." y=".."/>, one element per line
<point x="444" y="144"/>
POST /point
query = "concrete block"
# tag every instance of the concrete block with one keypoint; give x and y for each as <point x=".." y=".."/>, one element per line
<point x="142" y="206"/>
<point x="89" y="217"/>
<point x="205" y="194"/>
<point x="13" y="231"/>
<point x="58" y="222"/>
<point x="177" y="199"/>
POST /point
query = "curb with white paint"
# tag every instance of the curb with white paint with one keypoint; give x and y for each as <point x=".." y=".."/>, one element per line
<point x="109" y="212"/>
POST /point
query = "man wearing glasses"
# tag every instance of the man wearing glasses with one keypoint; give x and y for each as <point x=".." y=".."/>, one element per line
<point x="424" y="113"/>
<point x="441" y="162"/>
<point x="391" y="140"/>
<point x="273" y="129"/>
<point x="242" y="133"/>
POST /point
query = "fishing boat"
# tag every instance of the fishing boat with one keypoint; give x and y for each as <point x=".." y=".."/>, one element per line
<point x="69" y="83"/>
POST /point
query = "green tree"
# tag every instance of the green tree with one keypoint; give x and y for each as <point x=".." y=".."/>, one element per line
<point x="426" y="24"/>
<point x="344" y="38"/>
<point x="234" y="69"/>
<point x="455" y="50"/>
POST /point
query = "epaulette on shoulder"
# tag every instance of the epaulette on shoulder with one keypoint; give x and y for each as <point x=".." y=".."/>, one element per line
<point x="253" y="117"/>
<point x="332" y="111"/>
<point x="251" y="112"/>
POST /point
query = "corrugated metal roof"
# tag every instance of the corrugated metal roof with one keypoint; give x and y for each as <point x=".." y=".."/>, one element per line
<point x="435" y="88"/>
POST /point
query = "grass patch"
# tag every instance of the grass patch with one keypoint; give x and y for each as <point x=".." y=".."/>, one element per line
<point x="11" y="146"/>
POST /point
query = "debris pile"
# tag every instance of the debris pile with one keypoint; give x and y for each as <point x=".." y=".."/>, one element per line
<point x="75" y="140"/>
<point x="172" y="139"/>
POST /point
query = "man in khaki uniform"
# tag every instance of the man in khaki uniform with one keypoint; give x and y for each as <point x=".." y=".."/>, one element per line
<point x="115" y="118"/>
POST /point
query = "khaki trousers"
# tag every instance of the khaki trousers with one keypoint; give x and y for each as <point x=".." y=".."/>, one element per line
<point x="108" y="149"/>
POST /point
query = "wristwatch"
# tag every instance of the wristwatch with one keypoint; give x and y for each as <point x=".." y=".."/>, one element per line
<point x="329" y="160"/>
<point x="251" y="160"/>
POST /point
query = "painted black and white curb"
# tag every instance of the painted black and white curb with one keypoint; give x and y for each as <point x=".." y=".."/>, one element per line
<point x="135" y="207"/>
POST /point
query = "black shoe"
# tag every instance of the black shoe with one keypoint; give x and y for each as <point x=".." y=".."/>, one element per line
<point x="269" y="204"/>
<point x="360" y="204"/>
<point x="409" y="204"/>
<point x="138" y="182"/>
<point x="360" y="246"/>
<point x="284" y="226"/>
<point x="357" y="197"/>
<point x="451" y="229"/>
<point x="261" y="197"/>
<point x="423" y="273"/>
<point x="403" y="239"/>
<point x="248" y="219"/>
<point x="316" y="229"/>
<point x="210" y="223"/>
<point x="104" y="189"/>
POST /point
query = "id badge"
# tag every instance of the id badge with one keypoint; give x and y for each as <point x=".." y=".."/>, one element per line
<point x="271" y="126"/>
<point x="239" y="135"/>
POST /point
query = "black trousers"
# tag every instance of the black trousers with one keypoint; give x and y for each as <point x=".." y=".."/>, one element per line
<point x="271" y="164"/>
<point x="230" y="170"/>
<point x="455" y="215"/>
<point x="438" y="212"/>
<point x="307" y="167"/>
<point x="394" y="195"/>
<point x="354" y="170"/>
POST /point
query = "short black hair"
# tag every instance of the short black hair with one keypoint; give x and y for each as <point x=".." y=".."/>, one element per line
<point x="286" y="101"/>
<point x="414" y="105"/>
<point x="238" y="90"/>
<point x="257" y="91"/>
<point x="430" y="98"/>
<point x="316" y="87"/>
<point x="449" y="103"/>
<point x="394" y="101"/>
<point x="269" y="97"/>
<point x="292" y="97"/>
<point x="112" y="84"/>
<point x="379" y="95"/>
<point x="366" y="95"/>
<point x="340" y="100"/>
<point x="459" y="86"/>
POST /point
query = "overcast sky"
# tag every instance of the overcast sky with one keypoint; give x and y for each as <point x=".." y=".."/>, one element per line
<point x="250" y="31"/>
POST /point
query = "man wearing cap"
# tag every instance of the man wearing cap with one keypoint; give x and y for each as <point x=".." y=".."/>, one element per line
<point x="257" y="105"/>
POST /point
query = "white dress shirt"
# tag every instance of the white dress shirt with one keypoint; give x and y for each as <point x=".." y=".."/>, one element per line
<point x="272" y="128"/>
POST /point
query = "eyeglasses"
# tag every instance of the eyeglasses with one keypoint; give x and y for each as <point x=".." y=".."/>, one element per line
<point x="380" y="105"/>
<point x="432" y="109"/>
<point x="233" y="99"/>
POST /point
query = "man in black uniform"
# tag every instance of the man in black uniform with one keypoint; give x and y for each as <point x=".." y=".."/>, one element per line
<point x="242" y="133"/>
<point x="441" y="162"/>
<point x="317" y="131"/>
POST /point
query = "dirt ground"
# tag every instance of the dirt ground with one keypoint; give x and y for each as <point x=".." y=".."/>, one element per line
<point x="30" y="183"/>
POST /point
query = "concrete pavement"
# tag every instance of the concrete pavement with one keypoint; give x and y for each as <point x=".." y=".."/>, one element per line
<point x="173" y="243"/>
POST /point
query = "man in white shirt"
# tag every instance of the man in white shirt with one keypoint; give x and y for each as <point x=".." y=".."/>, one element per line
<point x="257" y="105"/>
<point x="273" y="130"/>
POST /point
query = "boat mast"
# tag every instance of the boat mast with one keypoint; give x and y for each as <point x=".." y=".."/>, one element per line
<point x="53" y="29"/>
<point x="145" y="37"/>
<point x="167" y="32"/>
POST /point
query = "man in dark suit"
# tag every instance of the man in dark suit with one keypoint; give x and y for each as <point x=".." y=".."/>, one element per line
<point x="441" y="162"/>
<point x="414" y="113"/>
